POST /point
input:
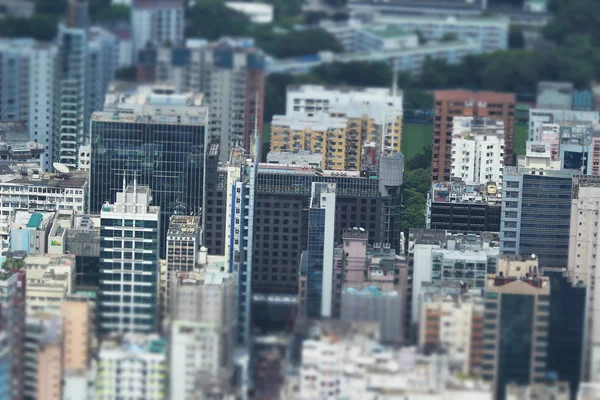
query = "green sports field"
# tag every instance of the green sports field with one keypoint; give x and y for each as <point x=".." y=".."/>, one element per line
<point x="414" y="138"/>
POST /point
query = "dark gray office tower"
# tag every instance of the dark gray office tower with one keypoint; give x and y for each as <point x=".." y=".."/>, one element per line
<point x="363" y="199"/>
<point x="536" y="214"/>
<point x="160" y="142"/>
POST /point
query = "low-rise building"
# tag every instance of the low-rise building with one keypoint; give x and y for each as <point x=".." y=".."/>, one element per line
<point x="342" y="360"/>
<point x="29" y="231"/>
<point x="459" y="206"/>
<point x="258" y="13"/>
<point x="552" y="390"/>
<point x="454" y="323"/>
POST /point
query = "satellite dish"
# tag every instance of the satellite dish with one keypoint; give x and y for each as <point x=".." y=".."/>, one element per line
<point x="61" y="168"/>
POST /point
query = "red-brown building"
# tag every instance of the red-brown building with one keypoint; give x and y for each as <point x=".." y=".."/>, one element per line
<point x="451" y="103"/>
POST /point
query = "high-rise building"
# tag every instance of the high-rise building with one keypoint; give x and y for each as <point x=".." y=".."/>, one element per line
<point x="50" y="280"/>
<point x="203" y="331"/>
<point x="28" y="88"/>
<point x="12" y="333"/>
<point x="516" y="327"/>
<point x="440" y="256"/>
<point x="536" y="208"/>
<point x="86" y="64"/>
<point x="370" y="284"/>
<point x="282" y="193"/>
<point x="457" y="206"/>
<point x="372" y="116"/>
<point x="319" y="253"/>
<point x="156" y="23"/>
<point x="70" y="127"/>
<point x="455" y="103"/>
<point x="132" y="366"/>
<point x="50" y="362"/>
<point x="455" y="323"/>
<point x="183" y="245"/>
<point x="129" y="275"/>
<point x="477" y="150"/>
<point x="164" y="134"/>
<point x="582" y="266"/>
<point x="230" y="73"/>
<point x="241" y="194"/>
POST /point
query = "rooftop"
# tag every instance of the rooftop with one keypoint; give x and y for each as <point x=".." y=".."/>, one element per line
<point x="184" y="225"/>
<point x="461" y="192"/>
<point x="32" y="220"/>
<point x="135" y="344"/>
<point x="475" y="96"/>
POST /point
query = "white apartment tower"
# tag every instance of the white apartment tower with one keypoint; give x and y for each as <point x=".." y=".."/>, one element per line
<point x="584" y="265"/>
<point x="156" y="22"/>
<point x="477" y="150"/>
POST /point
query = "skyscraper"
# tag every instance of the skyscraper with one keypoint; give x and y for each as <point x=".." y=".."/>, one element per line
<point x="516" y="327"/>
<point x="157" y="138"/>
<point x="129" y="247"/>
<point x="183" y="242"/>
<point x="451" y="103"/>
<point x="319" y="267"/>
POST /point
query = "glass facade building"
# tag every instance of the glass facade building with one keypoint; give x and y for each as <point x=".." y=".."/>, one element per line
<point x="168" y="157"/>
<point x="536" y="213"/>
<point x="516" y="330"/>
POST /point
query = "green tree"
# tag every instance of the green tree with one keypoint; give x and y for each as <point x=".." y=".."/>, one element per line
<point x="516" y="40"/>
<point x="358" y="73"/>
<point x="211" y="19"/>
<point x="299" y="43"/>
<point x="314" y="17"/>
<point x="420" y="161"/>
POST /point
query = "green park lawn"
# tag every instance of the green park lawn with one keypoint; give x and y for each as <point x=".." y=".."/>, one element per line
<point x="414" y="138"/>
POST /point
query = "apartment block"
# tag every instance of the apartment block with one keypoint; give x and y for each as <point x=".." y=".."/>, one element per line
<point x="477" y="150"/>
<point x="50" y="280"/>
<point x="424" y="8"/>
<point x="27" y="92"/>
<point x="141" y="358"/>
<point x="156" y="22"/>
<point x="230" y="73"/>
<point x="458" y="206"/>
<point x="373" y="116"/>
<point x="203" y="331"/>
<point x="456" y="103"/>
<point x="516" y="327"/>
<point x="541" y="227"/>
<point x="129" y="241"/>
<point x="454" y="323"/>
<point x="320" y="134"/>
<point x="442" y="256"/>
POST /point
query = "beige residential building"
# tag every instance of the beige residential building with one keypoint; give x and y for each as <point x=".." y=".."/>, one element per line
<point x="453" y="322"/>
<point x="349" y="127"/>
<point x="345" y="142"/>
<point x="50" y="368"/>
<point x="77" y="334"/>
<point x="583" y="265"/>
